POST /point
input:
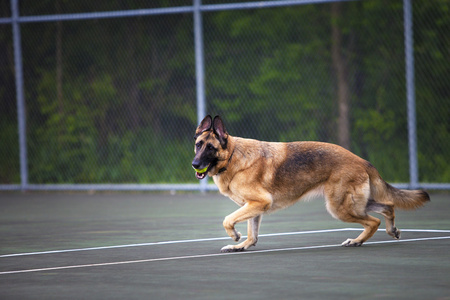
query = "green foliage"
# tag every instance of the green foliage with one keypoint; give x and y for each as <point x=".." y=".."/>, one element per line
<point x="9" y="152"/>
<point x="127" y="109"/>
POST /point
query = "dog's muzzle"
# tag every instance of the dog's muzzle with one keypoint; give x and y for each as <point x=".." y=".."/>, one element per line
<point x="200" y="172"/>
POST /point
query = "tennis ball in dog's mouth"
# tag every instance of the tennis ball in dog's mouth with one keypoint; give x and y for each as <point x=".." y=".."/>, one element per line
<point x="200" y="171"/>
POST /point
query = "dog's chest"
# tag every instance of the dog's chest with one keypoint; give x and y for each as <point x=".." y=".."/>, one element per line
<point x="224" y="189"/>
<point x="239" y="201"/>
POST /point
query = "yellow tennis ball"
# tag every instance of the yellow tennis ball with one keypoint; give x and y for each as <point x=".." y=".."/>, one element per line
<point x="201" y="170"/>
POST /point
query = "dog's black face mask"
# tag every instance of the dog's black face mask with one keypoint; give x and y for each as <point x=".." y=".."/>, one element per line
<point x="210" y="138"/>
<point x="205" y="158"/>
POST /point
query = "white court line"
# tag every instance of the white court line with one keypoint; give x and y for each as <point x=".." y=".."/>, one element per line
<point x="209" y="240"/>
<point x="211" y="255"/>
<point x="176" y="242"/>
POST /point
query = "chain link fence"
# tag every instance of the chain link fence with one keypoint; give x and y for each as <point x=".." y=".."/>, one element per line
<point x="113" y="90"/>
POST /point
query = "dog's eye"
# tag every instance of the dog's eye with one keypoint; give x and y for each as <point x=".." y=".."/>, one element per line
<point x="211" y="147"/>
<point x="198" y="145"/>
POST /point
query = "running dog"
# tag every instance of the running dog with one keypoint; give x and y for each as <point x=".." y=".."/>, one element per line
<point x="262" y="177"/>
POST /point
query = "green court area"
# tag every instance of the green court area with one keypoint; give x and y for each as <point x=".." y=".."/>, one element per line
<point x="162" y="246"/>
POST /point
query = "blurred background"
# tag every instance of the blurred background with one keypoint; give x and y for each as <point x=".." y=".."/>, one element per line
<point x="113" y="90"/>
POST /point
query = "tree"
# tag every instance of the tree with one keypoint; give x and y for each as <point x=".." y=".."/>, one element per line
<point x="341" y="71"/>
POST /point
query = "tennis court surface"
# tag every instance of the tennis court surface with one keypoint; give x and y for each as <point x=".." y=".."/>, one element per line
<point x="162" y="246"/>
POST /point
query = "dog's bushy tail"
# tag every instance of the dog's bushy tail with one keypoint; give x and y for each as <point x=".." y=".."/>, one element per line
<point x="383" y="192"/>
<point x="405" y="199"/>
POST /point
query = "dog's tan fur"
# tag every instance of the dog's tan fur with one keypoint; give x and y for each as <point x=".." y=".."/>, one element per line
<point x="262" y="177"/>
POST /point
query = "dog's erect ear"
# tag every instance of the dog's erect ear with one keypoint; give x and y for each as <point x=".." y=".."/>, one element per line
<point x="205" y="125"/>
<point x="220" y="131"/>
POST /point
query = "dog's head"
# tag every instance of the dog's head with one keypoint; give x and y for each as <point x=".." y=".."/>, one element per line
<point x="211" y="141"/>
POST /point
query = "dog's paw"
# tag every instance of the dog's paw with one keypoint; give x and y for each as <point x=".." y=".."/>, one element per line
<point x="237" y="237"/>
<point x="397" y="233"/>
<point x="394" y="232"/>
<point x="231" y="248"/>
<point x="351" y="243"/>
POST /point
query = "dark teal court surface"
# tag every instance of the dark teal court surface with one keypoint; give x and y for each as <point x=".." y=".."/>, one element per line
<point x="161" y="246"/>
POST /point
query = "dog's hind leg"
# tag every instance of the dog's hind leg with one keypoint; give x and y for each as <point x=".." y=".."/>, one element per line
<point x="389" y="215"/>
<point x="349" y="205"/>
<point x="370" y="227"/>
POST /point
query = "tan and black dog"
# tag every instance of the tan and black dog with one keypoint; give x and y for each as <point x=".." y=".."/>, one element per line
<point x="262" y="177"/>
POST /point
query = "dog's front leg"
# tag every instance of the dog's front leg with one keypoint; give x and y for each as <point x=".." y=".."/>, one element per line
<point x="247" y="212"/>
<point x="252" y="232"/>
<point x="253" y="229"/>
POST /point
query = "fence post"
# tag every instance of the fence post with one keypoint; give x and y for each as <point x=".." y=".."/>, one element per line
<point x="410" y="95"/>
<point x="199" y="70"/>
<point x="21" y="118"/>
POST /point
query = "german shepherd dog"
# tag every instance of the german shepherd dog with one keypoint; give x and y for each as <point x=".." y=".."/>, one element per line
<point x="262" y="177"/>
